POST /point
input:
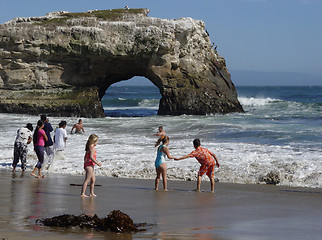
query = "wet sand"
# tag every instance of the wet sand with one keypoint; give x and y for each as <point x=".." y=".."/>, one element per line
<point x="234" y="211"/>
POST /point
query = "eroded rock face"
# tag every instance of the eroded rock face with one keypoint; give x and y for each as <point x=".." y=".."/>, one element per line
<point x="63" y="63"/>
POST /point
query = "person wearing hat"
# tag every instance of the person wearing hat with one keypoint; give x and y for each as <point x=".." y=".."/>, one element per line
<point x="24" y="137"/>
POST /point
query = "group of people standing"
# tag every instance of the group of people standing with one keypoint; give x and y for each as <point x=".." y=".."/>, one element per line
<point x="206" y="158"/>
<point x="43" y="143"/>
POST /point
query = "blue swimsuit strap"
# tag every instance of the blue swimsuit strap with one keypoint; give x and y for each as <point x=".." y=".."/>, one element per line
<point x="161" y="146"/>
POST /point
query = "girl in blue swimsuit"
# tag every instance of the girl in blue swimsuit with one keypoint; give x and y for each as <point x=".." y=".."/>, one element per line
<point x="160" y="165"/>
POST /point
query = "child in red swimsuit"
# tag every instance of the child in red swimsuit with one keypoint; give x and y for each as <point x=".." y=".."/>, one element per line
<point x="89" y="163"/>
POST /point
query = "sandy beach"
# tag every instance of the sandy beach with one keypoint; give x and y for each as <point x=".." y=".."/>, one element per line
<point x="234" y="211"/>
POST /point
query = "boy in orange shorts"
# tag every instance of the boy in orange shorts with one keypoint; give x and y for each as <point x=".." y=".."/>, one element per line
<point x="208" y="161"/>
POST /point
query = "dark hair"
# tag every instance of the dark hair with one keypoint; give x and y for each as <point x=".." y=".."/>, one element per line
<point x="43" y="117"/>
<point x="196" y="142"/>
<point x="62" y="123"/>
<point x="162" y="139"/>
<point x="35" y="137"/>
<point x="29" y="126"/>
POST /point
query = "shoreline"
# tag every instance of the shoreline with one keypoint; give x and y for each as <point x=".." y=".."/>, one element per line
<point x="234" y="211"/>
<point x="245" y="160"/>
<point x="205" y="179"/>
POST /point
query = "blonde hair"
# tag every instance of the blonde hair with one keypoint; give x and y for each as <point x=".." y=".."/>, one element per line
<point x="93" y="138"/>
<point x="162" y="139"/>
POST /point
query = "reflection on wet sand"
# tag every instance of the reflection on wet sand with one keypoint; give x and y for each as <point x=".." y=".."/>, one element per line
<point x="232" y="212"/>
<point x="88" y="206"/>
<point x="20" y="200"/>
<point x="189" y="216"/>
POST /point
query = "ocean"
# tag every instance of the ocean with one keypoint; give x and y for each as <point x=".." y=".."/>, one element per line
<point x="280" y="133"/>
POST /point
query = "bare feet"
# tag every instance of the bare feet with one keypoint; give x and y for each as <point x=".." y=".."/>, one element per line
<point x="83" y="195"/>
<point x="40" y="176"/>
<point x="93" y="195"/>
<point x="33" y="175"/>
<point x="197" y="190"/>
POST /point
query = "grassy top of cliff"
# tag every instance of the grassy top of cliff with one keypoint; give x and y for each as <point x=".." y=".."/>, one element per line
<point x="110" y="14"/>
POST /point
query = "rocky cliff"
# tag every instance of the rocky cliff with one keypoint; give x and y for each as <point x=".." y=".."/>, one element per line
<point x="62" y="63"/>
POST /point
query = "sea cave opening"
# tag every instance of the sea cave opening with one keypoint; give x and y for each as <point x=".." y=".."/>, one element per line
<point x="136" y="97"/>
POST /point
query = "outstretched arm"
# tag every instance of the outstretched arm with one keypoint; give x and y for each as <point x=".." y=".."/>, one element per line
<point x="167" y="152"/>
<point x="183" y="157"/>
<point x="71" y="131"/>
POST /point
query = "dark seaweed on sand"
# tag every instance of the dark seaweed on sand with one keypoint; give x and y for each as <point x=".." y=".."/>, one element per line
<point x="116" y="221"/>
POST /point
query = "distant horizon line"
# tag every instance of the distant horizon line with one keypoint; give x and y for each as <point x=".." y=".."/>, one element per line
<point x="236" y="85"/>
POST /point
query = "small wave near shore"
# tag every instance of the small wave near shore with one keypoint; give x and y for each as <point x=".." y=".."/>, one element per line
<point x="278" y="135"/>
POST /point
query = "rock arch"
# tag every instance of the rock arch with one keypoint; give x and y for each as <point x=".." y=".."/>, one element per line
<point x="63" y="63"/>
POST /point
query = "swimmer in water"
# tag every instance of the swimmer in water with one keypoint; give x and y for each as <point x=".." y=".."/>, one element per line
<point x="78" y="127"/>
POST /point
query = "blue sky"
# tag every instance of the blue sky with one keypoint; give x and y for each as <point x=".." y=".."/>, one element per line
<point x="252" y="35"/>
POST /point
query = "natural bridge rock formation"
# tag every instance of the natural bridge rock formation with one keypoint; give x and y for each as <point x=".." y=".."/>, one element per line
<point x="62" y="63"/>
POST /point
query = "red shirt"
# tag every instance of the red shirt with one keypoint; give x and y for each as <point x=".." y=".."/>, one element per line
<point x="203" y="155"/>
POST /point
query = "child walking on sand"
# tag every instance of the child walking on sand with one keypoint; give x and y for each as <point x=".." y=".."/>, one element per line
<point x="160" y="165"/>
<point x="89" y="162"/>
<point x="208" y="161"/>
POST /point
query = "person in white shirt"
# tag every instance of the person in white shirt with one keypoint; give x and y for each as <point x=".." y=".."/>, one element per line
<point x="60" y="137"/>
<point x="24" y="137"/>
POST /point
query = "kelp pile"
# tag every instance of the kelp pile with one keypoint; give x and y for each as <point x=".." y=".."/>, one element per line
<point x="116" y="221"/>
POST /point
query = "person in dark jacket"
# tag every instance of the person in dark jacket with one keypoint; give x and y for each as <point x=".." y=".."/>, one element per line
<point x="49" y="145"/>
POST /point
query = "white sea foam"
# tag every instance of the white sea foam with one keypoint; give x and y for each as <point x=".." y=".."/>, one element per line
<point x="153" y="107"/>
<point x="126" y="149"/>
<point x="251" y="101"/>
<point x="151" y="103"/>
